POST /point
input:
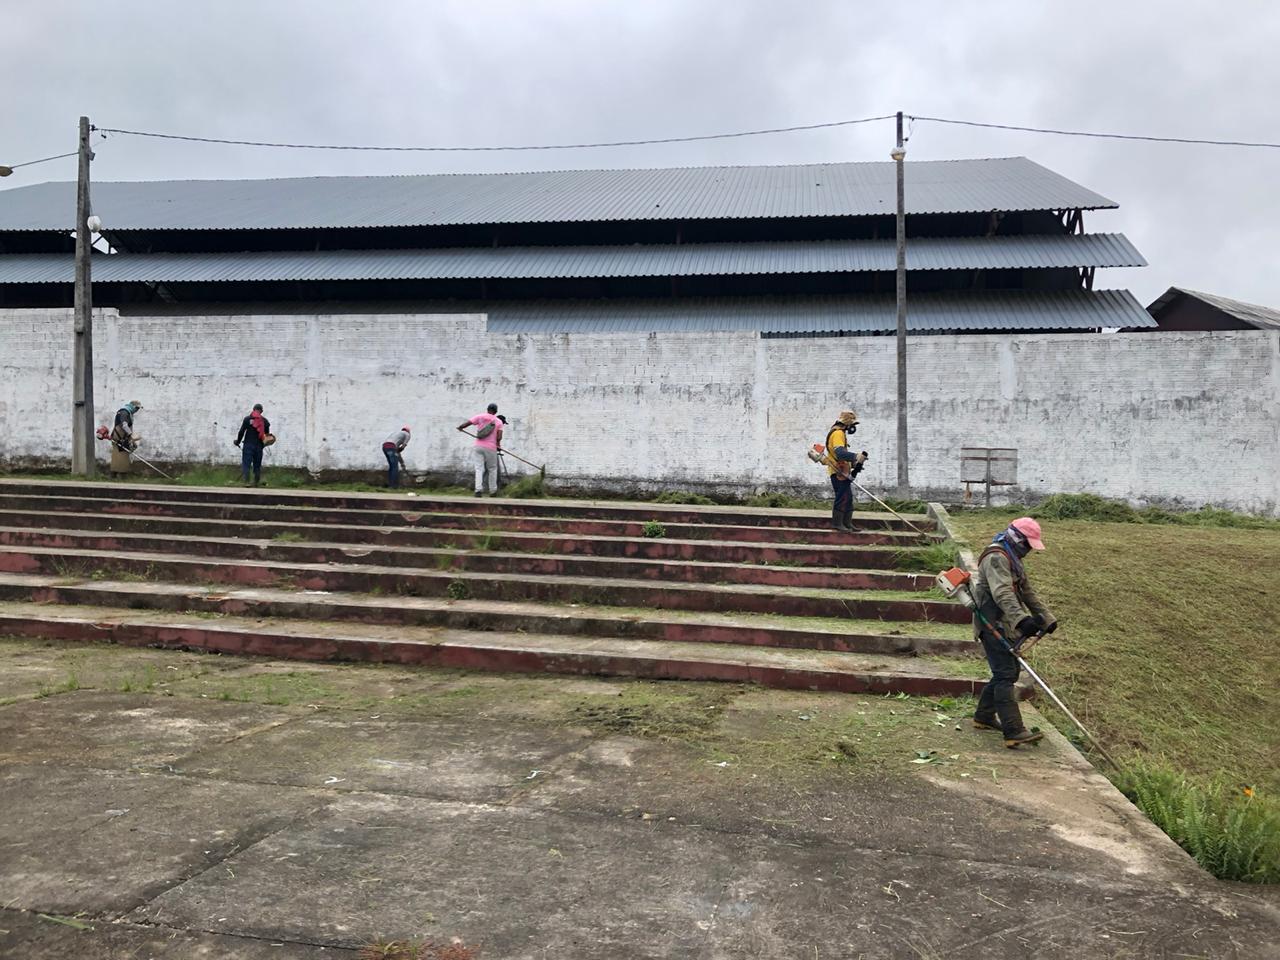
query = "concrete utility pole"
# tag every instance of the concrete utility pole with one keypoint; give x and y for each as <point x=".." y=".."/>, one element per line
<point x="899" y="156"/>
<point x="83" y="461"/>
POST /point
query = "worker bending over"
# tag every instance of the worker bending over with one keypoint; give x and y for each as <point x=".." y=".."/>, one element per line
<point x="1006" y="600"/>
<point x="393" y="449"/>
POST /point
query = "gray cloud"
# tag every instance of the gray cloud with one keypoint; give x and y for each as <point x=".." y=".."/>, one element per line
<point x="536" y="72"/>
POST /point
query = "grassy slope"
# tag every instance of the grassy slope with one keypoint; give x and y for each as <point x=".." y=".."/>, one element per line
<point x="1170" y="638"/>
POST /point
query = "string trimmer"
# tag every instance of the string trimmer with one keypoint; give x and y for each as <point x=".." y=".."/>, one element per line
<point x="955" y="584"/>
<point x="104" y="434"/>
<point x="542" y="469"/>
<point x="819" y="454"/>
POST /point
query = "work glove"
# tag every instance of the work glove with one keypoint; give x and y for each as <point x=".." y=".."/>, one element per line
<point x="1028" y="626"/>
<point x="235" y="443"/>
<point x="1051" y="627"/>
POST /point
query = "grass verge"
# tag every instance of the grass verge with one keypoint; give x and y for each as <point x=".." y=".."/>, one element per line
<point x="1167" y="651"/>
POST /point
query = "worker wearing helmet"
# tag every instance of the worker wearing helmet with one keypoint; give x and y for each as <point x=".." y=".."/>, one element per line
<point x="393" y="448"/>
<point x="842" y="466"/>
<point x="1007" y="601"/>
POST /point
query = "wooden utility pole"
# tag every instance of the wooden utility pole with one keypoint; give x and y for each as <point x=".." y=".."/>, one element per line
<point x="83" y="461"/>
<point x="899" y="156"/>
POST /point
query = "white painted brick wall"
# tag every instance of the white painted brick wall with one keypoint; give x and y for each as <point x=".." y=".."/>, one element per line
<point x="1190" y="417"/>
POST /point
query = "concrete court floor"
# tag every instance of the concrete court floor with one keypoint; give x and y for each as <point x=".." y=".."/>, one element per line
<point x="178" y="805"/>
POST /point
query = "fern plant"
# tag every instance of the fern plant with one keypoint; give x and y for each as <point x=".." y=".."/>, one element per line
<point x="1232" y="832"/>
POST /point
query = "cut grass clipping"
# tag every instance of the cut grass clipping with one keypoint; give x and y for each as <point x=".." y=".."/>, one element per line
<point x="1233" y="832"/>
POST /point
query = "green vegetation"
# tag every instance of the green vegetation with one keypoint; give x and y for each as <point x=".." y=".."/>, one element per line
<point x="458" y="590"/>
<point x="1088" y="506"/>
<point x="931" y="559"/>
<point x="288" y="536"/>
<point x="683" y="496"/>
<point x="1231" y="831"/>
<point x="529" y="487"/>
<point x="786" y="501"/>
<point x="653" y="528"/>
<point x="1167" y="650"/>
<point x="486" y="541"/>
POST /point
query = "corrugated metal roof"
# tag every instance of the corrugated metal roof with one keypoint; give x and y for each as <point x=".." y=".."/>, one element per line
<point x="684" y="193"/>
<point x="1264" y="318"/>
<point x="717" y="259"/>
<point x="809" y="316"/>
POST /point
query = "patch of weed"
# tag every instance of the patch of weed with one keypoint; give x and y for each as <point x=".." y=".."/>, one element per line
<point x="528" y="487"/>
<point x="287" y="536"/>
<point x="1088" y="506"/>
<point x="70" y="682"/>
<point x="458" y="590"/>
<point x="786" y="501"/>
<point x="683" y="496"/>
<point x="931" y="559"/>
<point x="486" y="541"/>
<point x="1232" y="832"/>
<point x="653" y="528"/>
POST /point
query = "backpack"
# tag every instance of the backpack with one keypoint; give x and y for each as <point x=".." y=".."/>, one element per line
<point x="487" y="429"/>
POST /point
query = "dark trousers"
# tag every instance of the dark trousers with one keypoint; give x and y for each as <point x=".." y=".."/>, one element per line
<point x="251" y="457"/>
<point x="843" y="487"/>
<point x="393" y="466"/>
<point x="997" y="698"/>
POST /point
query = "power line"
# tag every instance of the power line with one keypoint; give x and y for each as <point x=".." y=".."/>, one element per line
<point x="1102" y="136"/>
<point x="553" y="146"/>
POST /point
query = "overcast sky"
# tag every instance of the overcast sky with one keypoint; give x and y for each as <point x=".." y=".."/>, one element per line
<point x="427" y="72"/>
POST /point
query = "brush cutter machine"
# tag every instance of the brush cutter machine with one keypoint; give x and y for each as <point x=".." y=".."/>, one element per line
<point x="955" y="584"/>
<point x="104" y="433"/>
<point x="819" y="454"/>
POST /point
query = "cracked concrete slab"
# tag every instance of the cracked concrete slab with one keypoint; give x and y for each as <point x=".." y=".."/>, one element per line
<point x="187" y="825"/>
<point x="119" y="729"/>
<point x="106" y="842"/>
<point x="529" y="884"/>
<point x="31" y="937"/>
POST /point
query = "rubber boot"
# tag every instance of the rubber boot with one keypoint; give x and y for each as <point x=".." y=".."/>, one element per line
<point x="837" y="518"/>
<point x="846" y="521"/>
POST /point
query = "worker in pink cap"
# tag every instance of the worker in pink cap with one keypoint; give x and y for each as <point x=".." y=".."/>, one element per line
<point x="1007" y="601"/>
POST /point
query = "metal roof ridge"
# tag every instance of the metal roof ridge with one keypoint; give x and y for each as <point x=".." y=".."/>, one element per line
<point x="520" y="173"/>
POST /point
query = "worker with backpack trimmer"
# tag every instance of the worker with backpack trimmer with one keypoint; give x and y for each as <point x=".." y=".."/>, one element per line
<point x="488" y="443"/>
<point x="1005" y="600"/>
<point x="842" y="466"/>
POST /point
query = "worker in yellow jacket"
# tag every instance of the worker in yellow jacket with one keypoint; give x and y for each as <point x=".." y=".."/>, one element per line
<point x="842" y="466"/>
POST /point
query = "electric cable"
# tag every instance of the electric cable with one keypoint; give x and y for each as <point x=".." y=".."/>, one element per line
<point x="549" y="146"/>
<point x="1102" y="136"/>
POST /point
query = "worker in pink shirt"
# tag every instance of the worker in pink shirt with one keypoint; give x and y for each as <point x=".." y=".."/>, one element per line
<point x="488" y="443"/>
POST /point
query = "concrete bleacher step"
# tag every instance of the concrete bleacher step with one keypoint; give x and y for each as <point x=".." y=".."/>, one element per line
<point x="495" y="507"/>
<point x="726" y="593"/>
<point x="410" y="515"/>
<point x="484" y="560"/>
<point x="862" y="636"/>
<point x="550" y="653"/>
<point x="663" y="548"/>
<point x="365" y="578"/>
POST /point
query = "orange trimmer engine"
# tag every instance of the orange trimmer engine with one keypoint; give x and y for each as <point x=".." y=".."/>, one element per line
<point x="955" y="584"/>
